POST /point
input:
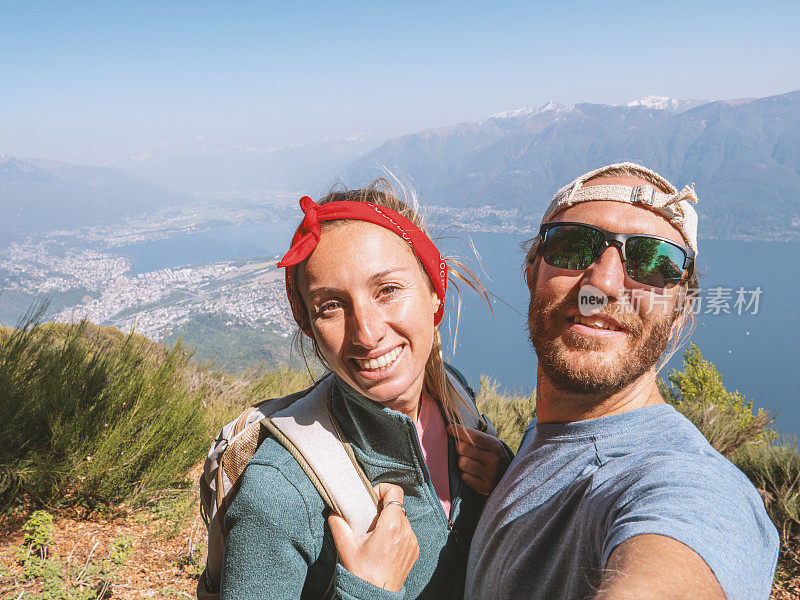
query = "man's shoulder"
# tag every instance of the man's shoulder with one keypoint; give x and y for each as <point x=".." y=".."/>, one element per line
<point x="671" y="463"/>
<point x="653" y="433"/>
<point x="672" y="452"/>
<point x="693" y="495"/>
<point x="679" y="468"/>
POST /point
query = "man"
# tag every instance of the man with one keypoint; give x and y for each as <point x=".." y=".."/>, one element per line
<point x="613" y="493"/>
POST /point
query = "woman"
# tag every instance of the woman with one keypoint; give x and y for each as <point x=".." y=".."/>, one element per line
<point x="367" y="286"/>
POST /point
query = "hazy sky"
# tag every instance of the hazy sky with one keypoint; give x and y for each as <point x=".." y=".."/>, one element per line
<point x="99" y="81"/>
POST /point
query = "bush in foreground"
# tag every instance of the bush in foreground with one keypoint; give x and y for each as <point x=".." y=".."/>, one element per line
<point x="726" y="419"/>
<point x="774" y="469"/>
<point x="86" y="418"/>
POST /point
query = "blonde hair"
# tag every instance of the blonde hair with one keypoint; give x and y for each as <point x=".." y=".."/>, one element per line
<point x="436" y="380"/>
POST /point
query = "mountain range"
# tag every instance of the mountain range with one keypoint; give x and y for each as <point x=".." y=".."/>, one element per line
<point x="38" y="195"/>
<point x="742" y="155"/>
<point x="245" y="168"/>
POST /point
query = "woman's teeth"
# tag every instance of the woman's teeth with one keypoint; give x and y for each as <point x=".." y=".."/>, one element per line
<point x="595" y="323"/>
<point x="383" y="361"/>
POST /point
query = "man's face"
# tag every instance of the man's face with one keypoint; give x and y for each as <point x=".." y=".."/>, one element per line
<point x="606" y="352"/>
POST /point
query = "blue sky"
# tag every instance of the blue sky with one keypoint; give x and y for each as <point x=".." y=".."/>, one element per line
<point x="98" y="81"/>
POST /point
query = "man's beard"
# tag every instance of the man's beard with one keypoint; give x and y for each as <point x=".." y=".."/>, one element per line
<point x="594" y="371"/>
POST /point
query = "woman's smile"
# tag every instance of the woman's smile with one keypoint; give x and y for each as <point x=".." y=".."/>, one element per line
<point x="379" y="362"/>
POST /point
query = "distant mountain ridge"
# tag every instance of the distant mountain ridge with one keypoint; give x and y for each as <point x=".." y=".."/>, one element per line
<point x="743" y="155"/>
<point x="672" y="105"/>
<point x="38" y="195"/>
<point x="292" y="168"/>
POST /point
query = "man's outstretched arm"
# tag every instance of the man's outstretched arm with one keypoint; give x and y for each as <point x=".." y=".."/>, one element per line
<point x="657" y="567"/>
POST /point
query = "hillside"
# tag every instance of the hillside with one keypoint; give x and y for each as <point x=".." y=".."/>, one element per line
<point x="233" y="346"/>
<point x="743" y="156"/>
<point x="38" y="195"/>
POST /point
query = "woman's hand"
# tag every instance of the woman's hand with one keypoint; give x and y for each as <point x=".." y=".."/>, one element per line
<point x="385" y="554"/>
<point x="482" y="458"/>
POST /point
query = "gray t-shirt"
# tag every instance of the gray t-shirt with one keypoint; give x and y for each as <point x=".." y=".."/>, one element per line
<point x="575" y="491"/>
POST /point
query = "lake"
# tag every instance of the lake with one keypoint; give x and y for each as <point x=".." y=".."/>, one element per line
<point x="232" y="242"/>
<point x="756" y="353"/>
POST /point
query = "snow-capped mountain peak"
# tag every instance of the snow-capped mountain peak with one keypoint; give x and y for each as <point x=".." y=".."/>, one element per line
<point x="527" y="111"/>
<point x="666" y="103"/>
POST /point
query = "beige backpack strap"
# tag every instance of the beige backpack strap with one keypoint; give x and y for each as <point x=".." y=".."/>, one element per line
<point x="245" y="435"/>
<point x="308" y="431"/>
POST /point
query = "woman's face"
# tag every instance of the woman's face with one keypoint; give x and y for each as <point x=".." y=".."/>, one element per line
<point x="371" y="309"/>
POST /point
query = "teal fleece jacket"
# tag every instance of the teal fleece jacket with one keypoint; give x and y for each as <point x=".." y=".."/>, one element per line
<point x="279" y="545"/>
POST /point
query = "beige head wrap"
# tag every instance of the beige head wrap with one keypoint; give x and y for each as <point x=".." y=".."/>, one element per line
<point x="675" y="206"/>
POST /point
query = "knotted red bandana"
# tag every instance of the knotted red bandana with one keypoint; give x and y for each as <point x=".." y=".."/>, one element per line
<point x="307" y="236"/>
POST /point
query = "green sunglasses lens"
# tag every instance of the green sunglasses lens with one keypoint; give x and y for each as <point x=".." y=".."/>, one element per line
<point x="653" y="262"/>
<point x="572" y="246"/>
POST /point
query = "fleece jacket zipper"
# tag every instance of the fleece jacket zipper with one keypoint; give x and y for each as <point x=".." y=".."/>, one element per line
<point x="426" y="476"/>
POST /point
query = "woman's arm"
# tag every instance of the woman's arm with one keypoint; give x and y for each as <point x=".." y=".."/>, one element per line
<point x="273" y="539"/>
<point x="270" y="543"/>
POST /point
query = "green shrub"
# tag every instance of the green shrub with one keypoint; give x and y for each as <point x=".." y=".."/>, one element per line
<point x="723" y="417"/>
<point x="61" y="581"/>
<point x="38" y="532"/>
<point x="36" y="567"/>
<point x="277" y="383"/>
<point x="121" y="550"/>
<point x="154" y="433"/>
<point x="85" y="417"/>
<point x="774" y="470"/>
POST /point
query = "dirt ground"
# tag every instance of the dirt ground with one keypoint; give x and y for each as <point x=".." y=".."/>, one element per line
<point x="164" y="558"/>
<point x="163" y="561"/>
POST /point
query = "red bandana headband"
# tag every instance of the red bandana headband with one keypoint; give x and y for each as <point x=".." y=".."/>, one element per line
<point x="307" y="237"/>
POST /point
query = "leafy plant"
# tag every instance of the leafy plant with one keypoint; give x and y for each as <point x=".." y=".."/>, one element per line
<point x="725" y="418"/>
<point x="62" y="582"/>
<point x="121" y="550"/>
<point x="38" y="532"/>
<point x="37" y="567"/>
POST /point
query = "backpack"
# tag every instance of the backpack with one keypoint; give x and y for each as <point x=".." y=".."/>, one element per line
<point x="302" y="422"/>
